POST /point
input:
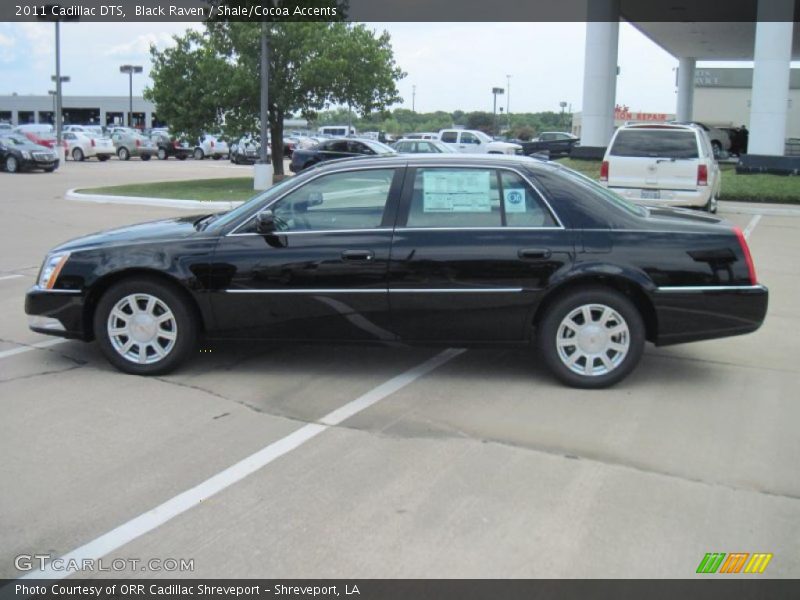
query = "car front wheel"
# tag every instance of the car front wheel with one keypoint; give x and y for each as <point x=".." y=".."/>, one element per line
<point x="591" y="338"/>
<point x="144" y="327"/>
<point x="198" y="154"/>
<point x="12" y="164"/>
<point x="123" y="154"/>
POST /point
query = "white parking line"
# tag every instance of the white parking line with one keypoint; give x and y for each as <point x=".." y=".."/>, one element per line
<point x="751" y="226"/>
<point x="4" y="277"/>
<point x="36" y="346"/>
<point x="146" y="522"/>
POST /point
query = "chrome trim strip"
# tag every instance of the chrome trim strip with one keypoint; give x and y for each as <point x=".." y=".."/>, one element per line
<point x="500" y="228"/>
<point x="310" y="291"/>
<point x="454" y="290"/>
<point x="381" y="291"/>
<point x="709" y="288"/>
<point x="57" y="291"/>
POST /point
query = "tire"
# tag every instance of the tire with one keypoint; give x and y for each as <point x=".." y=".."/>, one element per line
<point x="568" y="362"/>
<point x="711" y="206"/>
<point x="176" y="337"/>
<point x="145" y="157"/>
<point x="77" y="155"/>
<point x="49" y="169"/>
<point x="103" y="157"/>
<point x="124" y="154"/>
<point x="162" y="154"/>
<point x="198" y="154"/>
<point x="12" y="164"/>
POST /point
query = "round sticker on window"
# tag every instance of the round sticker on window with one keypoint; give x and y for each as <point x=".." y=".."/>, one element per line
<point x="515" y="200"/>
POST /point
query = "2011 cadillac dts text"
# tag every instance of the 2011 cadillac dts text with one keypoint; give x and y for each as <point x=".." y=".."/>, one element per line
<point x="438" y="249"/>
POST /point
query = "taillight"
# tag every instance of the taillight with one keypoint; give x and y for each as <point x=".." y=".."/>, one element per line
<point x="604" y="171"/>
<point x="138" y="143"/>
<point x="748" y="258"/>
<point x="175" y="144"/>
<point x="212" y="144"/>
<point x="93" y="144"/>
<point x="702" y="175"/>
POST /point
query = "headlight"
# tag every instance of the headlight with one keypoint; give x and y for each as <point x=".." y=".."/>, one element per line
<point x="25" y="154"/>
<point x="51" y="268"/>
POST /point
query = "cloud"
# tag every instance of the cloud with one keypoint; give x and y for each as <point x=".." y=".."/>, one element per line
<point x="139" y="46"/>
<point x="7" y="47"/>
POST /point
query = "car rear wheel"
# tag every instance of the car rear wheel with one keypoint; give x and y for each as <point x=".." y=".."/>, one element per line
<point x="77" y="154"/>
<point x="102" y="157"/>
<point x="711" y="206"/>
<point x="12" y="164"/>
<point x="591" y="338"/>
<point x="162" y="154"/>
<point x="198" y="154"/>
<point x="123" y="154"/>
<point x="144" y="327"/>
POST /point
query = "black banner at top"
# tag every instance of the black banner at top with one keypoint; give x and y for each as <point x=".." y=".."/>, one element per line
<point x="401" y="10"/>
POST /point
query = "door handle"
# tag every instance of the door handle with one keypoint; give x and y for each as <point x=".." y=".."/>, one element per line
<point x="534" y="253"/>
<point x="358" y="255"/>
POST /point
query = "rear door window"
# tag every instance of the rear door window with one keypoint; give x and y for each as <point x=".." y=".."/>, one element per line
<point x="455" y="198"/>
<point x="655" y="143"/>
<point x="450" y="137"/>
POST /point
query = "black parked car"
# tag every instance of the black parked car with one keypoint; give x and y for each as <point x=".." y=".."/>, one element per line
<point x="169" y="145"/>
<point x="552" y="143"/>
<point x="440" y="249"/>
<point x="18" y="153"/>
<point x="337" y="148"/>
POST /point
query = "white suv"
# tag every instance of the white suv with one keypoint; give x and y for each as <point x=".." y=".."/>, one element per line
<point x="474" y="141"/>
<point x="671" y="165"/>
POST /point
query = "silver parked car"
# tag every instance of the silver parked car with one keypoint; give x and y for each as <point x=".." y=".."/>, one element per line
<point x="130" y="142"/>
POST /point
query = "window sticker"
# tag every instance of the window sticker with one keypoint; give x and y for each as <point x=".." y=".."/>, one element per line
<point x="463" y="191"/>
<point x="515" y="200"/>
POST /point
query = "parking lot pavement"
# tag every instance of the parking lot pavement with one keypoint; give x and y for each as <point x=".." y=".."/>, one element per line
<point x="480" y="467"/>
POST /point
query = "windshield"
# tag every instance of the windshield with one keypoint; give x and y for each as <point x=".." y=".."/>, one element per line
<point x="260" y="198"/>
<point x="380" y="148"/>
<point x="604" y="192"/>
<point x="15" y="140"/>
<point x="483" y="137"/>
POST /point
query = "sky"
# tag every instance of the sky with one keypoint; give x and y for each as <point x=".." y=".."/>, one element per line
<point x="453" y="65"/>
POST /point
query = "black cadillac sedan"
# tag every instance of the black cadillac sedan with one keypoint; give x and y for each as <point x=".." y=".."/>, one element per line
<point x="18" y="153"/>
<point x="337" y="149"/>
<point x="436" y="249"/>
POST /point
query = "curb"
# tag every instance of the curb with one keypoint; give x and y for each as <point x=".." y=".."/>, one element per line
<point x="776" y="210"/>
<point x="144" y="201"/>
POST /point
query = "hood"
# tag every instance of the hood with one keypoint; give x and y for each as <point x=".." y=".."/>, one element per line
<point x="154" y="231"/>
<point x="504" y="145"/>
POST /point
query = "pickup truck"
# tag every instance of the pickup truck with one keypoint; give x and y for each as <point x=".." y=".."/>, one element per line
<point x="477" y="142"/>
<point x="556" y="143"/>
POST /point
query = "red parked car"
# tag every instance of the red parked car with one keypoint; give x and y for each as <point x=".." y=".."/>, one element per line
<point x="40" y="133"/>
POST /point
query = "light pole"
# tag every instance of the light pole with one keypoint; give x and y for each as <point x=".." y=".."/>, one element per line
<point x="262" y="176"/>
<point x="563" y="105"/>
<point x="496" y="91"/>
<point x="508" y="101"/>
<point x="129" y="70"/>
<point x="414" y="98"/>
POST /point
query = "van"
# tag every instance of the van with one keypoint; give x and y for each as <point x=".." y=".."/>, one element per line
<point x="669" y="165"/>
<point x="336" y="130"/>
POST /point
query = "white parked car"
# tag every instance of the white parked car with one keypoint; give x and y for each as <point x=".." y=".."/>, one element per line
<point x="422" y="147"/>
<point x="95" y="130"/>
<point x="211" y="145"/>
<point x="81" y="145"/>
<point x="476" y="142"/>
<point x="423" y="135"/>
<point x="670" y="165"/>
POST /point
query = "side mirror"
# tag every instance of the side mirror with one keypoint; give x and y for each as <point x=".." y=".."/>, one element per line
<point x="265" y="222"/>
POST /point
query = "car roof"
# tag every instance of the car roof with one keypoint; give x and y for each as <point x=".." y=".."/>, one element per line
<point x="416" y="160"/>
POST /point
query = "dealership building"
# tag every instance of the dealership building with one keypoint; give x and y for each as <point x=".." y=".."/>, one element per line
<point x="102" y="110"/>
<point x="765" y="32"/>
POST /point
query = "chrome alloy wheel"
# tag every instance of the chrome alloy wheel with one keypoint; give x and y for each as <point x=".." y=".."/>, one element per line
<point x="593" y="340"/>
<point x="142" y="329"/>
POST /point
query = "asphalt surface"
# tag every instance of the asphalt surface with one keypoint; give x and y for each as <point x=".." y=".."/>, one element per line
<point x="476" y="465"/>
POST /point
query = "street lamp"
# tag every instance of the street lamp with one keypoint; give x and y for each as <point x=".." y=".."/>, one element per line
<point x="496" y="91"/>
<point x="129" y="70"/>
<point x="262" y="174"/>
<point x="413" y="98"/>
<point x="563" y="105"/>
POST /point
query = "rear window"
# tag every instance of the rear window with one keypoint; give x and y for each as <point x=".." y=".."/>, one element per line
<point x="655" y="143"/>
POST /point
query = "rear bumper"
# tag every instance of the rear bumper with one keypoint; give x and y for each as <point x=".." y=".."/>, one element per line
<point x="56" y="312"/>
<point x="690" y="314"/>
<point x="689" y="198"/>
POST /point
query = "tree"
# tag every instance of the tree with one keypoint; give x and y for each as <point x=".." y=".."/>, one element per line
<point x="210" y="80"/>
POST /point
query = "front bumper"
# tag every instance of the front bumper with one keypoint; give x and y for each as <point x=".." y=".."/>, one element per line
<point x="56" y="312"/>
<point x="28" y="164"/>
<point x="690" y="314"/>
